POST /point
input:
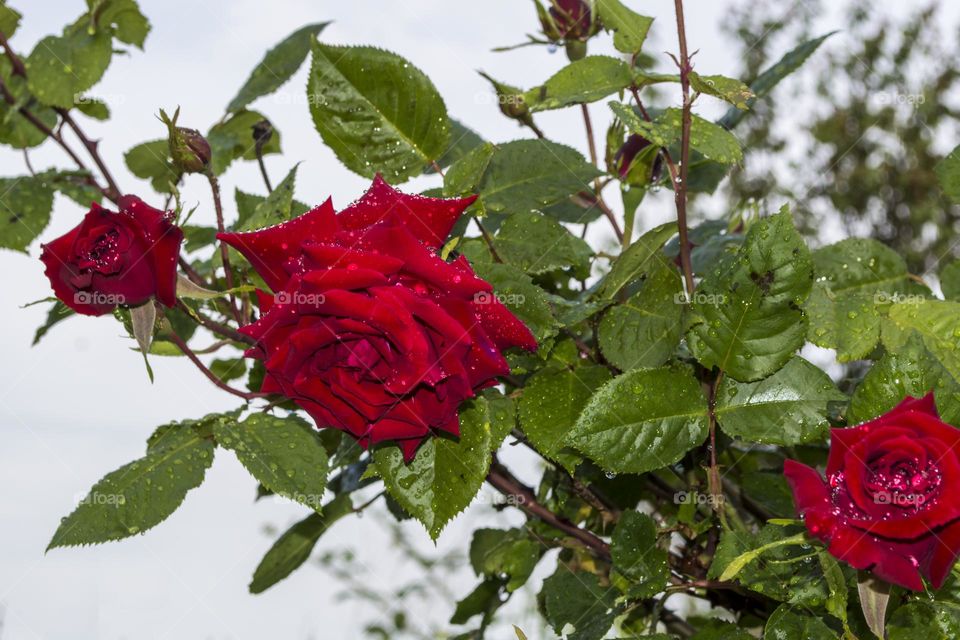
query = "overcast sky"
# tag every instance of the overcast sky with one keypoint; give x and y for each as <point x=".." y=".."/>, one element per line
<point x="79" y="404"/>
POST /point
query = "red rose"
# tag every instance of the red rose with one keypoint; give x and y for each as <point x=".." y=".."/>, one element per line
<point x="572" y="17"/>
<point x="110" y="258"/>
<point x="370" y="331"/>
<point x="887" y="505"/>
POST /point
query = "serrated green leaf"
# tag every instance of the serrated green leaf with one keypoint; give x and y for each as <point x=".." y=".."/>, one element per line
<point x="537" y="244"/>
<point x="950" y="280"/>
<point x="392" y="122"/>
<point x="788" y="623"/>
<point x="283" y="454"/>
<point x="910" y="371"/>
<point x="948" y="173"/>
<point x="233" y="139"/>
<point x="934" y="620"/>
<point x="294" y="547"/>
<point x="517" y="292"/>
<point x="772" y="76"/>
<point x="636" y="554"/>
<point x="836" y="603"/>
<point x="642" y="420"/>
<point x="640" y="258"/>
<point x="93" y="108"/>
<point x="463" y="177"/>
<point x="551" y="403"/>
<point x="507" y="554"/>
<point x="750" y="323"/>
<point x="629" y="28"/>
<point x="141" y="494"/>
<point x="463" y="140"/>
<point x="62" y="68"/>
<point x="855" y="280"/>
<point x="938" y="323"/>
<point x="151" y="161"/>
<point x="578" y="600"/>
<point x="58" y="313"/>
<point x="446" y="474"/>
<point x="644" y="331"/>
<point x="711" y="140"/>
<point x="275" y="208"/>
<point x="727" y="89"/>
<point x="280" y="62"/>
<point x="580" y="82"/>
<point x="25" y="205"/>
<point x="9" y="20"/>
<point x="790" y="407"/>
<point x="123" y="18"/>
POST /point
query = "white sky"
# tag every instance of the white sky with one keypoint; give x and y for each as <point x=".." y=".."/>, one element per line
<point x="80" y="405"/>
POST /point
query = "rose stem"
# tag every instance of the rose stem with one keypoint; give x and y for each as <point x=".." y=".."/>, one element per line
<point x="187" y="351"/>
<point x="216" y="327"/>
<point x="224" y="251"/>
<point x="523" y="498"/>
<point x="680" y="183"/>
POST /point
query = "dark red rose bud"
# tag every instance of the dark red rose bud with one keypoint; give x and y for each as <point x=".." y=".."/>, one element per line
<point x="189" y="150"/>
<point x="888" y="504"/>
<point x="369" y="330"/>
<point x="572" y="18"/>
<point x="111" y="259"/>
<point x="627" y="165"/>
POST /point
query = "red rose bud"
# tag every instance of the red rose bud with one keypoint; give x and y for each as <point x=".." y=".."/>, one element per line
<point x="112" y="259"/>
<point x="566" y="20"/>
<point x="888" y="505"/>
<point x="189" y="150"/>
<point x="369" y="330"/>
<point x="627" y="163"/>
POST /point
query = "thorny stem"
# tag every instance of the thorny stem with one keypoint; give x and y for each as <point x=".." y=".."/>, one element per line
<point x="216" y="327"/>
<point x="112" y="191"/>
<point x="187" y="351"/>
<point x="224" y="250"/>
<point x="680" y="182"/>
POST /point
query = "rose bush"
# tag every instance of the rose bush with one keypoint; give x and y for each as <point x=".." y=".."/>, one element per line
<point x="369" y="330"/>
<point x="650" y="378"/>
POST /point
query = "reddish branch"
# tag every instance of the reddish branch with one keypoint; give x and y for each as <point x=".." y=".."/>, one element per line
<point x="187" y="351"/>
<point x="680" y="182"/>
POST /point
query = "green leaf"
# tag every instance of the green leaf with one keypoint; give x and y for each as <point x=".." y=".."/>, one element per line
<point x="711" y="140"/>
<point x="639" y="259"/>
<point x="938" y="323"/>
<point x="15" y="129"/>
<point x="60" y="69"/>
<point x="275" y="208"/>
<point x="734" y="568"/>
<point x="910" y="371"/>
<point x="9" y="20"/>
<point x="948" y="173"/>
<point x="93" y="108"/>
<point x="281" y="62"/>
<point x="856" y="279"/>
<point x="578" y="600"/>
<point x="234" y="139"/>
<point x="950" y="280"/>
<point x="58" y="313"/>
<point x="284" y="454"/>
<point x="636" y="554"/>
<point x="642" y="420"/>
<point x="933" y="620"/>
<point x="505" y="554"/>
<point x="750" y="323"/>
<point x="551" y="403"/>
<point x="378" y="112"/>
<point x="836" y="603"/>
<point x="788" y="623"/>
<point x="727" y="89"/>
<point x="445" y="474"/>
<point x="294" y="547"/>
<point x="772" y="76"/>
<point x="718" y="630"/>
<point x="629" y="28"/>
<point x="788" y="408"/>
<point x="143" y="493"/>
<point x="580" y="82"/>
<point x="537" y="244"/>
<point x="463" y="140"/>
<point x="874" y="598"/>
<point x="484" y="599"/>
<point x="123" y="17"/>
<point x="151" y="161"/>
<point x="143" y="320"/>
<point x="645" y="330"/>
<point x="247" y="204"/>
<point x="517" y="292"/>
<point x="527" y="175"/>
<point x="73" y="184"/>
<point x="25" y="205"/>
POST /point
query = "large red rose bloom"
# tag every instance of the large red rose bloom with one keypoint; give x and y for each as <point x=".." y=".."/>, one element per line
<point x="124" y="258"/>
<point x="888" y="504"/>
<point x="369" y="330"/>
